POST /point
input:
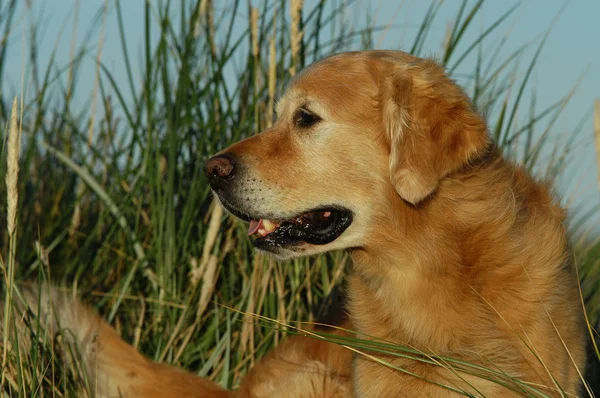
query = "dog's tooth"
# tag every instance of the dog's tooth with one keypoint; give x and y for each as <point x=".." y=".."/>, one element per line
<point x="269" y="225"/>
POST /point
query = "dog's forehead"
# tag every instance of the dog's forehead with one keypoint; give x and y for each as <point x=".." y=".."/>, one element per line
<point x="330" y="84"/>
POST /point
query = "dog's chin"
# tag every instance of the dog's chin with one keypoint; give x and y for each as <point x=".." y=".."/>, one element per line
<point x="283" y="253"/>
<point x="303" y="233"/>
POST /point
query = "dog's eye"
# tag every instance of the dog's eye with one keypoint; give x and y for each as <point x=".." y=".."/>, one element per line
<point x="305" y="119"/>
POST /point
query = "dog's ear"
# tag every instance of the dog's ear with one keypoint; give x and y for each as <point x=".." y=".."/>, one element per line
<point x="432" y="128"/>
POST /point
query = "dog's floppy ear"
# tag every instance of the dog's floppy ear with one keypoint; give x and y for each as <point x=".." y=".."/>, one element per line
<point x="432" y="128"/>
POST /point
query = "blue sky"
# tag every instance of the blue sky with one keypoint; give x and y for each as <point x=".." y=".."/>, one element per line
<point x="572" y="49"/>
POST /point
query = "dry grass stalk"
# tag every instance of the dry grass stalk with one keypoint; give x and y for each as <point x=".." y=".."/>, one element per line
<point x="101" y="37"/>
<point x="254" y="40"/>
<point x="209" y="281"/>
<point x="295" y="32"/>
<point x="210" y="20"/>
<point x="259" y="282"/>
<point x="42" y="254"/>
<point x="201" y="13"/>
<point x="254" y="31"/>
<point x="163" y="167"/>
<point x="12" y="192"/>
<point x="76" y="218"/>
<point x="72" y="64"/>
<point x="214" y="226"/>
<point x="448" y="36"/>
<point x="272" y="80"/>
<point x="247" y="330"/>
<point x="281" y="298"/>
<point x="137" y="331"/>
<point x="597" y="134"/>
<point x="12" y="174"/>
<point x="309" y="296"/>
<point x="207" y="270"/>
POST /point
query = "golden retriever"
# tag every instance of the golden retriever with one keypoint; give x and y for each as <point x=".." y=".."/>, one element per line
<point x="457" y="253"/>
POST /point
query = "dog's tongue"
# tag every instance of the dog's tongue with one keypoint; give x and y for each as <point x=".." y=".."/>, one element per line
<point x="254" y="226"/>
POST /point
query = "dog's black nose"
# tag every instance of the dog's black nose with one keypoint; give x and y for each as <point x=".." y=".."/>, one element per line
<point x="218" y="169"/>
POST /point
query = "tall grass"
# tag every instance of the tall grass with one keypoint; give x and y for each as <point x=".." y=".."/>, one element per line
<point x="113" y="199"/>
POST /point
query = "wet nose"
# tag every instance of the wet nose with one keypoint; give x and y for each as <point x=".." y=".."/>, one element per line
<point x="218" y="169"/>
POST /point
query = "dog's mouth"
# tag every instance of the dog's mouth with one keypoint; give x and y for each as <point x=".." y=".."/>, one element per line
<point x="318" y="227"/>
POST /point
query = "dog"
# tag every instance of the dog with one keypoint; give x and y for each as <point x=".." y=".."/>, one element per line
<point x="457" y="253"/>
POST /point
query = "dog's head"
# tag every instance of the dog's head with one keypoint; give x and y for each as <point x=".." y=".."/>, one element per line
<point x="356" y="134"/>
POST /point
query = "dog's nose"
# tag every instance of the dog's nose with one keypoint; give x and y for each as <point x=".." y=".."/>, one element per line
<point x="218" y="169"/>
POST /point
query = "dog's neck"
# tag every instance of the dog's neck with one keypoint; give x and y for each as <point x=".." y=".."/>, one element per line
<point x="435" y="258"/>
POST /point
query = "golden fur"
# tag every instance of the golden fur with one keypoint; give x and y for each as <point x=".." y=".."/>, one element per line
<point x="456" y="251"/>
